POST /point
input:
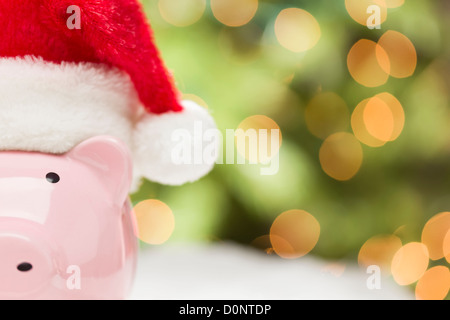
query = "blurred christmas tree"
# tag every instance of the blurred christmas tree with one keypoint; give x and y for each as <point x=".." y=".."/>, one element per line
<point x="365" y="124"/>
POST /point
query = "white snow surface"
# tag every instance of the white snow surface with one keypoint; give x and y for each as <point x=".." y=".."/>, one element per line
<point x="232" y="272"/>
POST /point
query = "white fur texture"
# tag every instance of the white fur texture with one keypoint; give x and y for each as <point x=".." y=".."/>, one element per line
<point x="51" y="108"/>
<point x="155" y="142"/>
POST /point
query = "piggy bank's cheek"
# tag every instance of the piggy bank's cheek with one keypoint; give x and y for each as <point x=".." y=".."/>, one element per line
<point x="79" y="236"/>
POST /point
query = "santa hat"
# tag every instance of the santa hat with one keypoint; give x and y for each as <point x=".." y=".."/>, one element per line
<point x="62" y="83"/>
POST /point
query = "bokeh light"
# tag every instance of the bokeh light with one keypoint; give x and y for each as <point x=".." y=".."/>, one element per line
<point x="447" y="247"/>
<point x="336" y="269"/>
<point x="181" y="13"/>
<point x="263" y="243"/>
<point x="244" y="58"/>
<point x="368" y="63"/>
<point x="357" y="9"/>
<point x="433" y="234"/>
<point x="195" y="98"/>
<point x="234" y="13"/>
<point x="394" y="3"/>
<point x="378" y="120"/>
<point x="397" y="113"/>
<point x="297" y="30"/>
<point x="341" y="156"/>
<point x="401" y="52"/>
<point x="410" y="263"/>
<point x="379" y="251"/>
<point x="294" y="233"/>
<point x="262" y="137"/>
<point x="434" y="285"/>
<point x="359" y="126"/>
<point x="155" y="221"/>
<point x="327" y="113"/>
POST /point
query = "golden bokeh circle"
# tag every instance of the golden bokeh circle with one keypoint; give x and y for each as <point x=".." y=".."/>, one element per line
<point x="434" y="284"/>
<point x="410" y="263"/>
<point x="379" y="251"/>
<point x="195" y="98"/>
<point x="258" y="138"/>
<point x="234" y="13"/>
<point x="359" y="126"/>
<point x="378" y="119"/>
<point x="397" y="113"/>
<point x="368" y="63"/>
<point x="446" y="247"/>
<point x="394" y="3"/>
<point x="341" y="156"/>
<point x="401" y="52"/>
<point x="294" y="234"/>
<point x="357" y="9"/>
<point x="262" y="243"/>
<point x="434" y="232"/>
<point x="155" y="221"/>
<point x="181" y="13"/>
<point x="383" y="122"/>
<point x="297" y="30"/>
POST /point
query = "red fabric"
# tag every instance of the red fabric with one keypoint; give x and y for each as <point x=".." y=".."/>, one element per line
<point x="114" y="32"/>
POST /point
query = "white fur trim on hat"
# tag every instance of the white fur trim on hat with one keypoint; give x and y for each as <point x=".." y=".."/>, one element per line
<point x="176" y="147"/>
<point x="50" y="107"/>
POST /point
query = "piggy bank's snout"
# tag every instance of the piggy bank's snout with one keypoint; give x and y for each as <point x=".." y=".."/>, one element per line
<point x="25" y="265"/>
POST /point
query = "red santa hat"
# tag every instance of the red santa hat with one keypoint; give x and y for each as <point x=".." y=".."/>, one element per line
<point x="73" y="69"/>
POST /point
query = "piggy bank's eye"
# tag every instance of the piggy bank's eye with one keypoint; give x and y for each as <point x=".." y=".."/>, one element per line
<point x="52" y="177"/>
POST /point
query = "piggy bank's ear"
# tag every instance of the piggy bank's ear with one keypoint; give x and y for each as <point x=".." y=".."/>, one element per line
<point x="111" y="159"/>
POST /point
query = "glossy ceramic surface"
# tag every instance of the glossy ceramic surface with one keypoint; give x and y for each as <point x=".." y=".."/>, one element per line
<point x="66" y="226"/>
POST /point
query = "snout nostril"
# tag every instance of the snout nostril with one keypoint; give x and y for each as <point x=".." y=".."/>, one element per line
<point x="24" y="267"/>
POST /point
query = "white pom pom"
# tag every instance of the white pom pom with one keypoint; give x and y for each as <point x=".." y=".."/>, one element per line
<point x="176" y="147"/>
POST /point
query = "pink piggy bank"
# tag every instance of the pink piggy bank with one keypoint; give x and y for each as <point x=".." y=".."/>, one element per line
<point x="66" y="225"/>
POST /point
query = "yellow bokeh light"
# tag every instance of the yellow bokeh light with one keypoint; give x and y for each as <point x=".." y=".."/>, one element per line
<point x="434" y="285"/>
<point x="155" y="221"/>
<point x="410" y="263"/>
<point x="258" y="139"/>
<point x="181" y="13"/>
<point x="262" y="243"/>
<point x="341" y="156"/>
<point x="401" y="52"/>
<point x="327" y="113"/>
<point x="368" y="63"/>
<point x="359" y="127"/>
<point x="357" y="9"/>
<point x="397" y="113"/>
<point x="434" y="232"/>
<point x="446" y="247"/>
<point x="379" y="251"/>
<point x="394" y="3"/>
<point x="234" y="13"/>
<point x="336" y="269"/>
<point x="294" y="234"/>
<point x="378" y="119"/>
<point x="195" y="98"/>
<point x="297" y="30"/>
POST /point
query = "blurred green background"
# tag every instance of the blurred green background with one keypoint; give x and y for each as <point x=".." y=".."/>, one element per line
<point x="244" y="71"/>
